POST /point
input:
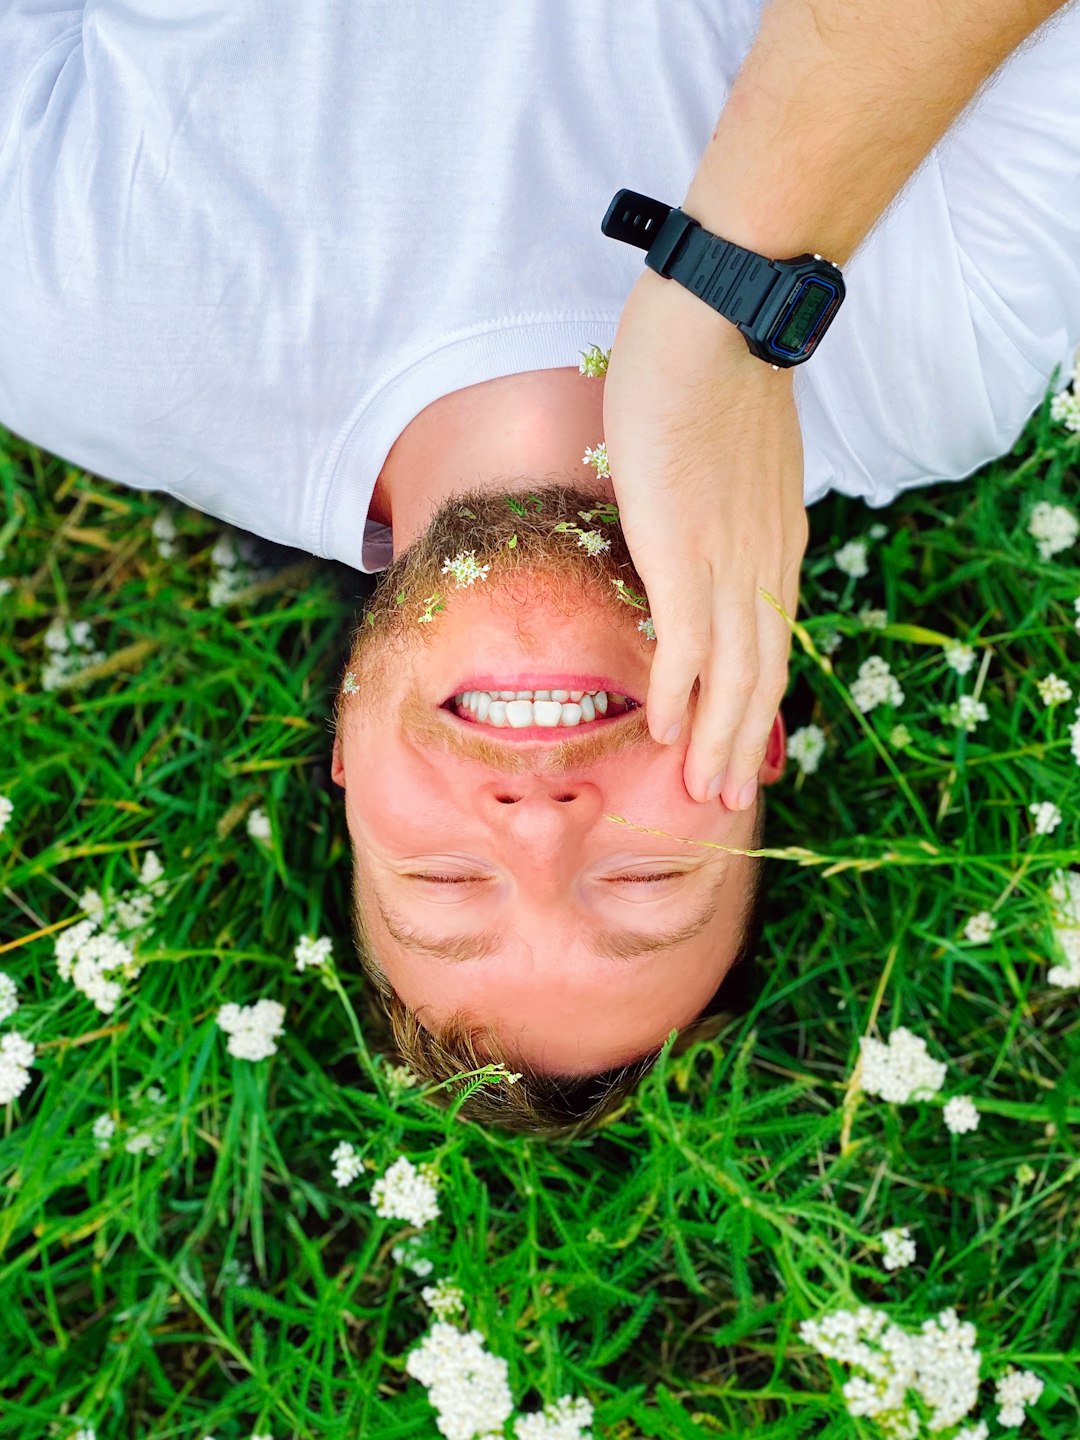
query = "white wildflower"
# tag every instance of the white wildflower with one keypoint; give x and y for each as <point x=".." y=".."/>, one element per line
<point x="1053" y="527"/>
<point x="406" y="1193"/>
<point x="310" y="951"/>
<point x="806" y="748"/>
<point x="152" y="872"/>
<point x="9" y="997"/>
<point x="1053" y="690"/>
<point x="443" y="1298"/>
<point x="466" y="1385"/>
<point x="593" y="541"/>
<point x="233" y="560"/>
<point x="258" y="826"/>
<point x="873" y="619"/>
<point x="598" y="458"/>
<point x="164" y="532"/>
<point x="902" y="1070"/>
<point x="876" y="685"/>
<point x="104" y="1128"/>
<point x="878" y="531"/>
<point x="961" y="1115"/>
<point x="1014" y="1390"/>
<point x="828" y="641"/>
<point x="464" y="568"/>
<point x="1024" y="1174"/>
<point x="967" y="712"/>
<point x="939" y="1364"/>
<point x="851" y="559"/>
<point x="1047" y="817"/>
<point x="347" y="1164"/>
<point x="1065" y="409"/>
<point x="92" y="903"/>
<point x="1065" y="927"/>
<point x="400" y="1077"/>
<point x="1076" y="607"/>
<point x="960" y="658"/>
<point x="16" y="1057"/>
<point x="87" y="958"/>
<point x="1074" y="738"/>
<point x="979" y="1431"/>
<point x="143" y="1141"/>
<point x="349" y="685"/>
<point x="7" y="809"/>
<point x="71" y="650"/>
<point x="252" y="1029"/>
<point x="567" y="1419"/>
<point x="647" y="628"/>
<point x="898" y="1248"/>
<point x="594" y="362"/>
<point x="900" y="736"/>
<point x="6" y="586"/>
<point x="980" y="927"/>
<point x="408" y="1253"/>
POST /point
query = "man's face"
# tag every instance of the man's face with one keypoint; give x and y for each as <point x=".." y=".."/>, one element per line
<point x="489" y="877"/>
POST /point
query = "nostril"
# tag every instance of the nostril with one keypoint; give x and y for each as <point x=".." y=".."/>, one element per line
<point x="562" y="799"/>
<point x="506" y="799"/>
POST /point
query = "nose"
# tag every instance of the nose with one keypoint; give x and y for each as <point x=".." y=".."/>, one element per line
<point x="540" y="822"/>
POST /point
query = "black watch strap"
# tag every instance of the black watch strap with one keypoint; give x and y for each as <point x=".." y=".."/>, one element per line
<point x="734" y="281"/>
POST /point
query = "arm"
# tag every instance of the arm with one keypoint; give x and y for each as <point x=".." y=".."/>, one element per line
<point x="835" y="106"/>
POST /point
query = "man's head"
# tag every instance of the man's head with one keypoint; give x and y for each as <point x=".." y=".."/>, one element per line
<point x="496" y="899"/>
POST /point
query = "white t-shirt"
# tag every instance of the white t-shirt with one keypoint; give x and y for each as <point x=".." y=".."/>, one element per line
<point x="243" y="245"/>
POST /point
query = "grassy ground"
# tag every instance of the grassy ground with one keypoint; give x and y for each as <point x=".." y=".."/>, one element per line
<point x="199" y="1272"/>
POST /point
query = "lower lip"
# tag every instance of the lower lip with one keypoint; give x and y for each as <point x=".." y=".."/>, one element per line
<point x="543" y="680"/>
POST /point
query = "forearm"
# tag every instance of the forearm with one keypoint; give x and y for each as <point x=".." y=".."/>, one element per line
<point x="836" y="105"/>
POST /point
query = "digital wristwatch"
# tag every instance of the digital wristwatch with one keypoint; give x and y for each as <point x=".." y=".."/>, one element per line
<point x="782" y="307"/>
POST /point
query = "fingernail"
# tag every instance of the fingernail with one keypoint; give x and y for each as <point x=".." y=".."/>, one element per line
<point x="672" y="734"/>
<point x="714" y="787"/>
<point x="746" y="794"/>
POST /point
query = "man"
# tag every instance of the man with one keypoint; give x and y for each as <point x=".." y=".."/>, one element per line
<point x="328" y="273"/>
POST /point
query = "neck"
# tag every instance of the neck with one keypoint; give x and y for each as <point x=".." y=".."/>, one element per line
<point x="512" y="433"/>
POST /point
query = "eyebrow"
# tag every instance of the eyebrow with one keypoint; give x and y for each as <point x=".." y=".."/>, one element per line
<point x="605" y="944"/>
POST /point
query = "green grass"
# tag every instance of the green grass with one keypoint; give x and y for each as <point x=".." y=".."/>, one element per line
<point x="659" y="1266"/>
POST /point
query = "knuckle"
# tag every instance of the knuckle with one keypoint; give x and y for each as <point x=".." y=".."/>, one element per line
<point x="744" y="680"/>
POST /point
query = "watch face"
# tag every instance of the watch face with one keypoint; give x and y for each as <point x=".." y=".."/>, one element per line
<point x="805" y="318"/>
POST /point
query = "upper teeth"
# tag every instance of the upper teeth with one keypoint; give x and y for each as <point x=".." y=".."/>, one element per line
<point x="516" y="709"/>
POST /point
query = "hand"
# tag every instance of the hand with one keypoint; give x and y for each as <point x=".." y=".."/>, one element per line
<point x="706" y="464"/>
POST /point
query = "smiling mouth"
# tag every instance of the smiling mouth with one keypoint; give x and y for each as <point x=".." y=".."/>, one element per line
<point x="546" y="715"/>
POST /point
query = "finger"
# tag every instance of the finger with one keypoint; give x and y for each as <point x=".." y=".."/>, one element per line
<point x="684" y="635"/>
<point x="739" y="790"/>
<point x="727" y="687"/>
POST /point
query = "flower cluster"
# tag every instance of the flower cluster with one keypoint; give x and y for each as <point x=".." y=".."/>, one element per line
<point x="597" y="457"/>
<point x="467" y="1386"/>
<point x="594" y="362"/>
<point x="1014" y="1390"/>
<point x="939" y="1364"/>
<point x="647" y="628"/>
<point x="409" y="1253"/>
<point x="1053" y="690"/>
<point x="7" y="809"/>
<point x="464" y="568"/>
<point x="253" y="1030"/>
<point x="966" y="713"/>
<point x="960" y="658"/>
<point x="9" y="998"/>
<point x="164" y="532"/>
<point x="980" y="927"/>
<point x="71" y="650"/>
<point x="1053" y="527"/>
<point x="872" y="619"/>
<point x="1047" y="817"/>
<point x="258" y="826"/>
<point x="806" y="747"/>
<point x="851" y="559"/>
<point x="16" y="1057"/>
<point x="347" y="1164"/>
<point x="566" y="1419"/>
<point x="310" y="951"/>
<point x="444" y="1298"/>
<point x="898" y="1248"/>
<point x="961" y="1115"/>
<point x="406" y="1192"/>
<point x="902" y="1070"/>
<point x="1065" y="408"/>
<point x="90" y="951"/>
<point x="876" y="685"/>
<point x="1065" y="927"/>
<point x="233" y="559"/>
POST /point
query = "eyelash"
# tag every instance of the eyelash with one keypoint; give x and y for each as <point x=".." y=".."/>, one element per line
<point x="476" y="879"/>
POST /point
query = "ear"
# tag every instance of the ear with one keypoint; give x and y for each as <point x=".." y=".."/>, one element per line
<point x="337" y="765"/>
<point x="772" y="767"/>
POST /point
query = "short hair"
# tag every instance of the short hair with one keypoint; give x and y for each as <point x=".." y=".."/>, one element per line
<point x="553" y="1105"/>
